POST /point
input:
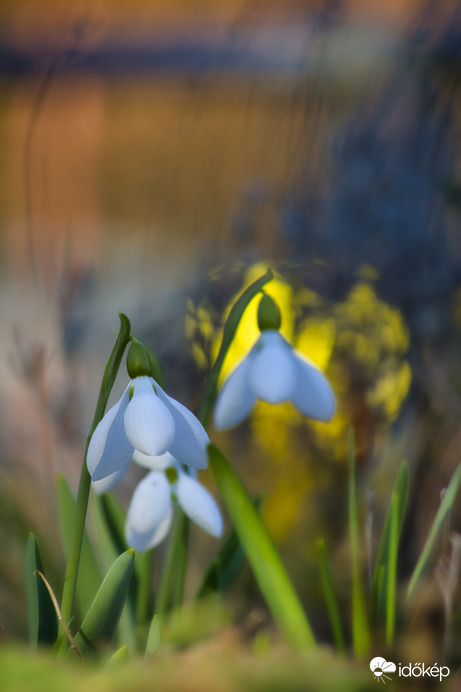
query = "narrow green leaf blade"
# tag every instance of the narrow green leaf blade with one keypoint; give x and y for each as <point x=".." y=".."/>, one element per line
<point x="261" y="554"/>
<point x="436" y="528"/>
<point x="360" y="625"/>
<point x="392" y="569"/>
<point x="330" y="596"/>
<point x="224" y="569"/>
<point x="110" y="522"/>
<point x="153" y="638"/>
<point x="379" y="581"/>
<point x="90" y="575"/>
<point x="43" y="625"/>
<point x="118" y="658"/>
<point x="102" y="618"/>
<point x="221" y="574"/>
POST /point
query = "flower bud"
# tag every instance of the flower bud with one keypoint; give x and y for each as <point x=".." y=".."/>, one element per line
<point x="138" y="360"/>
<point x="269" y="316"/>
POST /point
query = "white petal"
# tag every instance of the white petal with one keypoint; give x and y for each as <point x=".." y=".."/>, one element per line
<point x="105" y="484"/>
<point x="190" y="442"/>
<point x="313" y="395"/>
<point x="273" y="371"/>
<point x="150" y="512"/>
<point x="142" y="542"/>
<point x="149" y="424"/>
<point x="199" y="505"/>
<point x="109" y="449"/>
<point x="235" y="400"/>
<point x="158" y="463"/>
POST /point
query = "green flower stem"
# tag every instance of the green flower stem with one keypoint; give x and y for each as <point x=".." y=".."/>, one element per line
<point x="110" y="373"/>
<point x="174" y="569"/>
<point x="229" y="331"/>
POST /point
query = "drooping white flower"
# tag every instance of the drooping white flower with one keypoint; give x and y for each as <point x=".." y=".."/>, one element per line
<point x="150" y="512"/>
<point x="149" y="421"/>
<point x="274" y="372"/>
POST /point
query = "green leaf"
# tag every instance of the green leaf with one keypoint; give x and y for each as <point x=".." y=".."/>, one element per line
<point x="261" y="554"/>
<point x="386" y="548"/>
<point x="330" y="596"/>
<point x="221" y="574"/>
<point x="119" y="657"/>
<point x="436" y="528"/>
<point x="392" y="568"/>
<point x="360" y="625"/>
<point x="230" y="328"/>
<point x="102" y="618"/>
<point x="90" y="573"/>
<point x="110" y="518"/>
<point x="43" y="624"/>
<point x="224" y="569"/>
<point x="153" y="638"/>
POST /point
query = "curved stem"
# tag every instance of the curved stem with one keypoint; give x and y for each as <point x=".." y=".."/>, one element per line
<point x="110" y="373"/>
<point x="230" y="329"/>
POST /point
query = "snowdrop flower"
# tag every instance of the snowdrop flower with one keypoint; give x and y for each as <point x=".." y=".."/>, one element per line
<point x="151" y="509"/>
<point x="274" y="372"/>
<point x="147" y="420"/>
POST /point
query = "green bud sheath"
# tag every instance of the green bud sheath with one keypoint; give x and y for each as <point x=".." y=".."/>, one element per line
<point x="269" y="316"/>
<point x="172" y="474"/>
<point x="138" y="362"/>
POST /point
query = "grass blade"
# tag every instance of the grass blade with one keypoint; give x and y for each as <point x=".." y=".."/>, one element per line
<point x="360" y="626"/>
<point x="380" y="578"/>
<point x="330" y="596"/>
<point x="436" y="529"/>
<point x="267" y="567"/>
<point x="391" y="568"/>
<point x="102" y="618"/>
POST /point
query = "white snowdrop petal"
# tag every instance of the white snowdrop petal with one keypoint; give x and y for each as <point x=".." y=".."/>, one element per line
<point x="109" y="449"/>
<point x="313" y="395"/>
<point x="145" y="541"/>
<point x="190" y="440"/>
<point x="235" y="400"/>
<point x="149" y="507"/>
<point x="105" y="484"/>
<point x="158" y="463"/>
<point x="272" y="373"/>
<point x="199" y="505"/>
<point x="149" y="424"/>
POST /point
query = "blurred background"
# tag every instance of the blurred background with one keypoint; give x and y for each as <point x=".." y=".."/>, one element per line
<point x="156" y="158"/>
